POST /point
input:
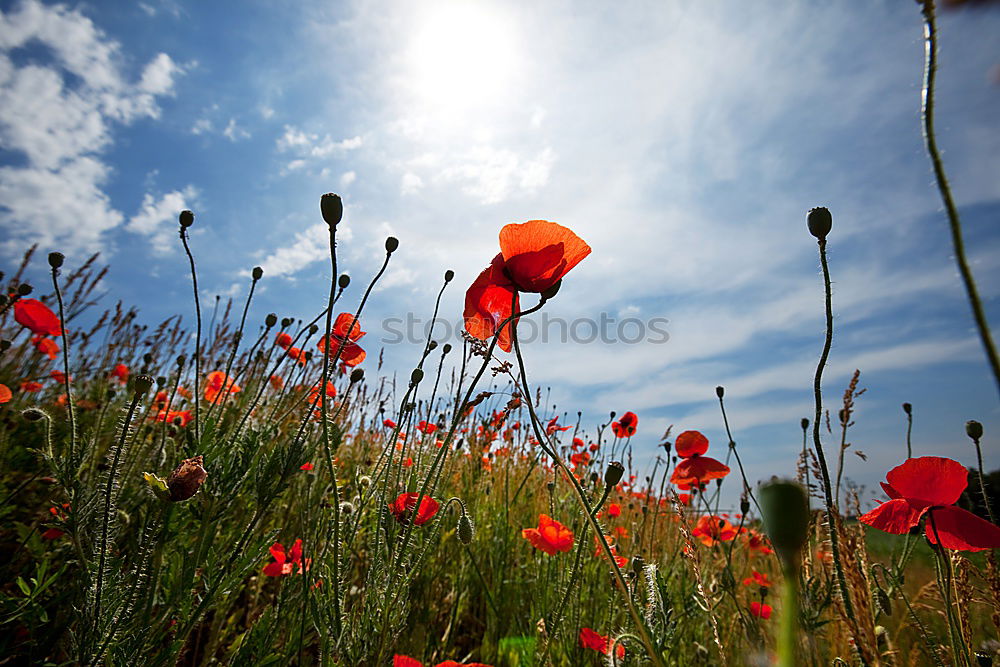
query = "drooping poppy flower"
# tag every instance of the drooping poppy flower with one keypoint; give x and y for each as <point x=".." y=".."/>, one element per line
<point x="534" y="256"/>
<point x="598" y="642"/>
<point x="761" y="610"/>
<point x="712" y="529"/>
<point x="35" y="315"/>
<point x="46" y="346"/>
<point x="283" y="340"/>
<point x="757" y="578"/>
<point x="550" y="536"/>
<point x="120" y="372"/>
<point x="625" y="427"/>
<point x="405" y="503"/>
<point x="614" y="510"/>
<point x="346" y="331"/>
<point x="388" y="423"/>
<point x="217" y="385"/>
<point x="30" y="386"/>
<point x="5" y="393"/>
<point x="927" y="488"/>
<point x="426" y="427"/>
<point x="695" y="468"/>
<point x="285" y="562"/>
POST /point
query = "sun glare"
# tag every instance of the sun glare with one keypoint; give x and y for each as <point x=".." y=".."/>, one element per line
<point x="462" y="57"/>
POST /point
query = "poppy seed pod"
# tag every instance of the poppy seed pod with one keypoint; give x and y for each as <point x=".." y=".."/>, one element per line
<point x="286" y="322"/>
<point x="56" y="259"/>
<point x="805" y="423"/>
<point x="343" y="281"/>
<point x="785" y="509"/>
<point x="448" y="275"/>
<point x="357" y="375"/>
<point x="974" y="429"/>
<point x="186" y="479"/>
<point x="465" y="528"/>
<point x="908" y="408"/>
<point x="446" y="349"/>
<point x="257" y="273"/>
<point x="186" y="218"/>
<point x="332" y="208"/>
<point x="142" y="384"/>
<point x="744" y="505"/>
<point x="614" y="473"/>
<point x="819" y="221"/>
<point x="391" y="244"/>
<point x="24" y="289"/>
<point x="313" y="329"/>
<point x="181" y="360"/>
<point x="270" y="320"/>
<point x="720" y="391"/>
<point x="416" y="376"/>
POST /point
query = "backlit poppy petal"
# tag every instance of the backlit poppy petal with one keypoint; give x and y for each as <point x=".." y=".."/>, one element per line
<point x="5" y="394"/>
<point x="698" y="470"/>
<point x="488" y="302"/>
<point x="895" y="516"/>
<point x="932" y="480"/>
<point x="37" y="317"/>
<point x="538" y="253"/>
<point x="690" y="443"/>
<point x="961" y="530"/>
<point x="405" y="661"/>
<point x="343" y="323"/>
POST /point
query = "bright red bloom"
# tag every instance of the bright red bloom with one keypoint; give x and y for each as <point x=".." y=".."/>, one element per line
<point x="31" y="386"/>
<point x="713" y="529"/>
<point x="120" y="372"/>
<point x="297" y="354"/>
<point x="757" y="543"/>
<point x="283" y="340"/>
<point x="46" y="346"/>
<point x="554" y="426"/>
<point x="178" y="417"/>
<point x="284" y="562"/>
<point x="405" y="503"/>
<point x="426" y="427"/>
<point x="931" y="485"/>
<point x="625" y="427"/>
<point x="614" y="510"/>
<point x="58" y="376"/>
<point x="598" y="642"/>
<point x="761" y="610"/>
<point x="217" y="385"/>
<point x="550" y="536"/>
<point x="314" y="397"/>
<point x="757" y="578"/>
<point x="388" y="423"/>
<point x="36" y="316"/>
<point x="277" y="382"/>
<point x="405" y="661"/>
<point x="694" y="468"/>
<point x="306" y="466"/>
<point x="346" y="330"/>
<point x="5" y="393"/>
<point x="533" y="257"/>
<point x="580" y="458"/>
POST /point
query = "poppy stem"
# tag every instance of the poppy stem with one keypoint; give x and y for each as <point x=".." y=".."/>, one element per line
<point x="982" y="481"/>
<point x="739" y="463"/>
<point x="197" y="340"/>
<point x="70" y="409"/>
<point x="236" y="346"/>
<point x="943" y="570"/>
<point x="954" y="222"/>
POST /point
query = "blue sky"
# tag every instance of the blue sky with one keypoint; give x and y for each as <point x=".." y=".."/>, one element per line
<point x="683" y="141"/>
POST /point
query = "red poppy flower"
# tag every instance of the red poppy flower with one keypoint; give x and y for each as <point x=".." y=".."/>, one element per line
<point x="31" y="386"/>
<point x="760" y="609"/>
<point x="306" y="466"/>
<point x="46" y="346"/>
<point x="533" y="257"/>
<point x="757" y="578"/>
<point x="283" y="340"/>
<point x="614" y="510"/>
<point x="297" y="354"/>
<point x="58" y="376"/>
<point x="177" y="417"/>
<point x="625" y="427"/>
<point x="277" y="382"/>
<point x="695" y="468"/>
<point x="405" y="661"/>
<point x="36" y="316"/>
<point x="346" y="330"/>
<point x="598" y="642"/>
<point x="314" y="397"/>
<point x="426" y="427"/>
<point x="713" y="529"/>
<point x="5" y="393"/>
<point x="284" y="562"/>
<point x="580" y="458"/>
<point x="217" y="384"/>
<point x="405" y="503"/>
<point x="121" y="372"/>
<point x="757" y="543"/>
<point x="554" y="426"/>
<point x="550" y="536"/>
<point x="931" y="485"/>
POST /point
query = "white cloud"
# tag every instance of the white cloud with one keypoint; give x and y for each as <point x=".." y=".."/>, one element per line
<point x="201" y="126"/>
<point x="411" y="183"/>
<point x="308" y="246"/>
<point x="347" y="178"/>
<point x="157" y="218"/>
<point x="233" y="132"/>
<point x="59" y="117"/>
<point x="311" y="148"/>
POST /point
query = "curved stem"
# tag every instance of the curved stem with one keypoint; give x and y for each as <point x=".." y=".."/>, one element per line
<point x="65" y="351"/>
<point x="197" y="340"/>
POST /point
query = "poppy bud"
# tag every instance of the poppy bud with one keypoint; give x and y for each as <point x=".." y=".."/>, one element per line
<point x="186" y="479"/>
<point x="614" y="473"/>
<point x="142" y="384"/>
<point x="805" y="423"/>
<point x="884" y="603"/>
<point x="24" y="289"/>
<point x="343" y="281"/>
<point x="446" y="349"/>
<point x="391" y="244"/>
<point x="594" y="477"/>
<point x="270" y="320"/>
<point x="974" y="429"/>
<point x="357" y="374"/>
<point x="416" y="376"/>
<point x="313" y="329"/>
<point x="744" y="505"/>
<point x="907" y="408"/>
<point x="32" y="415"/>
<point x="432" y="345"/>
<point x="550" y="486"/>
<point x="5" y="345"/>
<point x="785" y="510"/>
<point x="347" y="507"/>
<point x="465" y="529"/>
<point x="147" y="358"/>
<point x="286" y="322"/>
<point x="181" y="360"/>
<point x="186" y="218"/>
<point x="160" y="381"/>
<point x="448" y="275"/>
<point x="552" y="291"/>
<point x="764" y="590"/>
<point x="820" y="222"/>
<point x="332" y="208"/>
<point x="720" y="391"/>
<point x="56" y="259"/>
<point x="257" y="273"/>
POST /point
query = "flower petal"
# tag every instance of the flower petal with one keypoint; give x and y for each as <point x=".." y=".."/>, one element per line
<point x="931" y="480"/>
<point x="488" y="302"/>
<point x="895" y="516"/>
<point x="690" y="443"/>
<point x="961" y="530"/>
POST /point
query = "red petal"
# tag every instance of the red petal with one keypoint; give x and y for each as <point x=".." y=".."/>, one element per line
<point x="5" y="393"/>
<point x="36" y="316"/>
<point x="278" y="551"/>
<point x="343" y="323"/>
<point x="697" y="470"/>
<point x="889" y="491"/>
<point x="352" y="355"/>
<point x="895" y="516"/>
<point x="930" y="480"/>
<point x="690" y="443"/>
<point x="405" y="661"/>
<point x="274" y="569"/>
<point x="488" y="302"/>
<point x="961" y="530"/>
<point x="539" y="253"/>
<point x="296" y="553"/>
